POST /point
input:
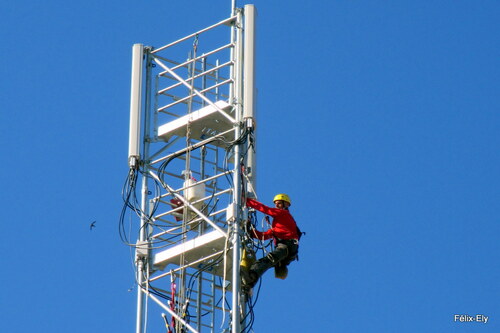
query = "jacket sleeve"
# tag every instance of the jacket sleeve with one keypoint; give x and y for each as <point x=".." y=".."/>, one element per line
<point x="263" y="208"/>
<point x="266" y="210"/>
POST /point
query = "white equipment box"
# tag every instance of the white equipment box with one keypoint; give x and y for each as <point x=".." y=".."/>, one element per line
<point x="204" y="123"/>
<point x="210" y="246"/>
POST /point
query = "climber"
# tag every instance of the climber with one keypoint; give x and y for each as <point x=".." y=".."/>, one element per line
<point x="286" y="238"/>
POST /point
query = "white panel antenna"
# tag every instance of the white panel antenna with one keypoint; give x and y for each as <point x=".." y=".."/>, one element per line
<point x="135" y="105"/>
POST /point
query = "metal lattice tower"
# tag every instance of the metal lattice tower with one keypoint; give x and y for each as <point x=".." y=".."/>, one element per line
<point x="191" y="151"/>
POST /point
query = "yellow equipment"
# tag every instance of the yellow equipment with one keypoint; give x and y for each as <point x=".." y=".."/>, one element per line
<point x="247" y="259"/>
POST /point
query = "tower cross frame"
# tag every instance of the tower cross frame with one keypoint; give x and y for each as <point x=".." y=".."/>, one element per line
<point x="191" y="144"/>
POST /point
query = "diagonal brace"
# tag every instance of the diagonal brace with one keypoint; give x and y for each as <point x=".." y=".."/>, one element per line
<point x="188" y="204"/>
<point x="191" y="87"/>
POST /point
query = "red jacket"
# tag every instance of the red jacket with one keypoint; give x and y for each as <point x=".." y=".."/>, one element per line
<point x="283" y="226"/>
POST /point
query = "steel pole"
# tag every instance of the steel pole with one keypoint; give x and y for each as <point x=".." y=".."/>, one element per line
<point x="142" y="267"/>
<point x="143" y="248"/>
<point x="236" y="243"/>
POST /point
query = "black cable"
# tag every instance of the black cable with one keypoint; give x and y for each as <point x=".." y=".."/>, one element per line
<point x="128" y="189"/>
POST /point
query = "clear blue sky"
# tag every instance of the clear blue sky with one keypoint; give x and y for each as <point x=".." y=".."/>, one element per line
<point x="380" y="119"/>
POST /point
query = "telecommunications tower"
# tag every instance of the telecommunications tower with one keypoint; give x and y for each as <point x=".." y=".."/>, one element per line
<point x="191" y="166"/>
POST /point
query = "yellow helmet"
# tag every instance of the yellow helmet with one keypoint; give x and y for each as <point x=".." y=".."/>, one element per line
<point x="283" y="197"/>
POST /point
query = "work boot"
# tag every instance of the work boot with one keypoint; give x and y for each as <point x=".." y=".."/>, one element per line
<point x="280" y="271"/>
<point x="249" y="278"/>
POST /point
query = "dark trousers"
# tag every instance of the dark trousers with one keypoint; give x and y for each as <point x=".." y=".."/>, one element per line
<point x="285" y="252"/>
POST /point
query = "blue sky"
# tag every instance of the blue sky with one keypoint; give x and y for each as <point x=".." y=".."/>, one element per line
<point x="379" y="119"/>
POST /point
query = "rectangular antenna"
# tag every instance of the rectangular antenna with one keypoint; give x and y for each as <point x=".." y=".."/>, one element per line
<point x="135" y="106"/>
<point x="249" y="91"/>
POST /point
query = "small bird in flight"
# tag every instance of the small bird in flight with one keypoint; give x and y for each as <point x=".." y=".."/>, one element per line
<point x="92" y="225"/>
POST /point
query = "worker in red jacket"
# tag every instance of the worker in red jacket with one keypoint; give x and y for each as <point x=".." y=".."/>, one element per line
<point x="286" y="237"/>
